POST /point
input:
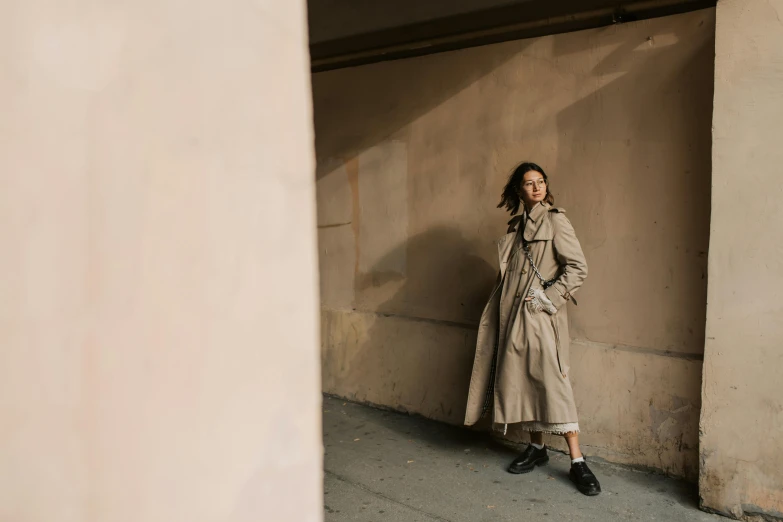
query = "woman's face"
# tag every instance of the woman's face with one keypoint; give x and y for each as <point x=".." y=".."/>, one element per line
<point x="533" y="188"/>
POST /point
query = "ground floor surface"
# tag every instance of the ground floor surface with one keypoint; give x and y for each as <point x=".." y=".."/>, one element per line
<point x="382" y="465"/>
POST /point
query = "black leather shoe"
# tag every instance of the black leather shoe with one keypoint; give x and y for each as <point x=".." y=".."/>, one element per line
<point x="529" y="459"/>
<point x="584" y="479"/>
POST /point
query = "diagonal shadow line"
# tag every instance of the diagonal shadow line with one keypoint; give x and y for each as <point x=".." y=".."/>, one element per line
<point x="384" y="497"/>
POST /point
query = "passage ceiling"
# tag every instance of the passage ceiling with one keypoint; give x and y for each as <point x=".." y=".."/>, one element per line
<point x="344" y="33"/>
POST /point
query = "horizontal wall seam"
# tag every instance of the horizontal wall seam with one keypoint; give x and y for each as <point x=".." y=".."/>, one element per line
<point x="333" y="225"/>
<point x="581" y="342"/>
<point x="639" y="349"/>
<point x="455" y="324"/>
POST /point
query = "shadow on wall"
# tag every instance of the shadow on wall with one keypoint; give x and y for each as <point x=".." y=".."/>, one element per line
<point x="442" y="267"/>
<point x="356" y="108"/>
<point x="399" y="360"/>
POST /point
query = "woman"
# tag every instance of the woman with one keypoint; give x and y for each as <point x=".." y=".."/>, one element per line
<point x="521" y="368"/>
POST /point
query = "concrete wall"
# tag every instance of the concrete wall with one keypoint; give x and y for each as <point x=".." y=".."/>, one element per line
<point x="742" y="416"/>
<point x="412" y="157"/>
<point x="152" y="308"/>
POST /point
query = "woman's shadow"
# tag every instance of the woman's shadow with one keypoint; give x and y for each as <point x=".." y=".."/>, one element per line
<point x="424" y="336"/>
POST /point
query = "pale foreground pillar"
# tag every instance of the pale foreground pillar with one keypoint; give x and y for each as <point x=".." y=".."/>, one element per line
<point x="742" y="405"/>
<point x="158" y="293"/>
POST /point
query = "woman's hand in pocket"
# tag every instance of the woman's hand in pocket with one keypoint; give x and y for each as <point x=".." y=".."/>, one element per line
<point x="537" y="301"/>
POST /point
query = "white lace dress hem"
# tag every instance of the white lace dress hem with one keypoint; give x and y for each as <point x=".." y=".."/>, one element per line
<point x="549" y="427"/>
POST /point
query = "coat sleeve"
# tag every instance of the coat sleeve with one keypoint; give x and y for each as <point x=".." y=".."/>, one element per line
<point x="571" y="259"/>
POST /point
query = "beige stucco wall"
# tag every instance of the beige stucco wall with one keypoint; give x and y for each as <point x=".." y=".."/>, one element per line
<point x="742" y="416"/>
<point x="412" y="156"/>
<point x="152" y="308"/>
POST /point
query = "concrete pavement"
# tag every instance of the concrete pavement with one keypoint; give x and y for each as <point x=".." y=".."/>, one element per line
<point x="386" y="466"/>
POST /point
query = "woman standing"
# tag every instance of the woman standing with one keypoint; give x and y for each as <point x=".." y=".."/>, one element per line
<point x="521" y="368"/>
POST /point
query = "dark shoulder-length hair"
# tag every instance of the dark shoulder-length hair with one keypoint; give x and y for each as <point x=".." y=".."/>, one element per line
<point x="510" y="197"/>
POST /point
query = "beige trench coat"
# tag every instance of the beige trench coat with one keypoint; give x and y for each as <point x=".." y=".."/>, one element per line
<point x="531" y="371"/>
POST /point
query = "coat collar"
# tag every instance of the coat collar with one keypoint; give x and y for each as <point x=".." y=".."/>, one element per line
<point x="534" y="215"/>
<point x="537" y="227"/>
<point x="539" y="210"/>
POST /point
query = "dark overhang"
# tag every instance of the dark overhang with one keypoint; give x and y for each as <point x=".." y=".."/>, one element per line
<point x="522" y="19"/>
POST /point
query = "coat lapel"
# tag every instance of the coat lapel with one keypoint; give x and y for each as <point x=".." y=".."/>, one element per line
<point x="538" y="227"/>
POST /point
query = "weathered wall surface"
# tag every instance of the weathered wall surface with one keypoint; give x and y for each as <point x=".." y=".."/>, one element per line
<point x="742" y="416"/>
<point x="150" y="303"/>
<point x="412" y="157"/>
